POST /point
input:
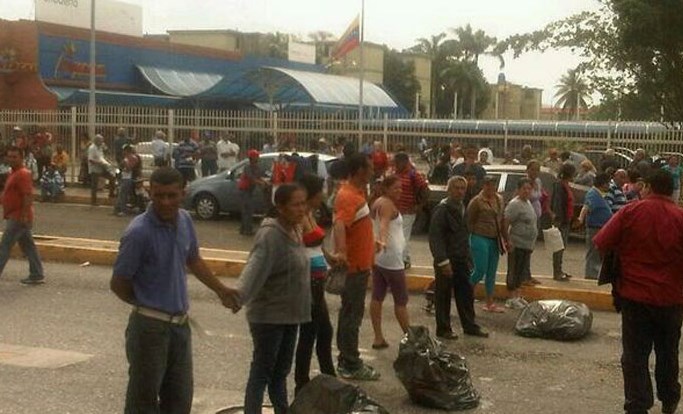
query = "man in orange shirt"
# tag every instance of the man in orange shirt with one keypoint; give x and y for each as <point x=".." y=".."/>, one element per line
<point x="355" y="245"/>
<point x="17" y="205"/>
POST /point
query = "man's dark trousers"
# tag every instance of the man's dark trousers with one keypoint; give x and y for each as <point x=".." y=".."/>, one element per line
<point x="160" y="372"/>
<point x="645" y="326"/>
<point x="350" y="319"/>
<point x="463" y="292"/>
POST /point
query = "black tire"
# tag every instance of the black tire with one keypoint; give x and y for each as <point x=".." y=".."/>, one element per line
<point x="206" y="206"/>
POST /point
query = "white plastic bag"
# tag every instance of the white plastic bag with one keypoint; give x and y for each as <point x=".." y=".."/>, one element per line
<point x="553" y="239"/>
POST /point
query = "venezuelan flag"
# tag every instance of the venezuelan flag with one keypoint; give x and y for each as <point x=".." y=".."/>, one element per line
<point x="349" y="40"/>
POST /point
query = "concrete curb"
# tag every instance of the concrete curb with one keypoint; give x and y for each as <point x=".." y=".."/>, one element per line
<point x="226" y="263"/>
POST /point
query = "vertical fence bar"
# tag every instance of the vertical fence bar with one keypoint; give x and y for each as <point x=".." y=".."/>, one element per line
<point x="609" y="134"/>
<point x="73" y="149"/>
<point x="171" y="135"/>
<point x="505" y="136"/>
<point x="385" y="131"/>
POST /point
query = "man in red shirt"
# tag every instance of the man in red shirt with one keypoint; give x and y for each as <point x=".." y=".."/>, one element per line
<point x="17" y="205"/>
<point x="413" y="187"/>
<point x="647" y="236"/>
<point x="380" y="160"/>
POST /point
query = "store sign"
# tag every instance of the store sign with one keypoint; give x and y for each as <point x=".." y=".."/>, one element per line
<point x="110" y="15"/>
<point x="9" y="62"/>
<point x="70" y="67"/>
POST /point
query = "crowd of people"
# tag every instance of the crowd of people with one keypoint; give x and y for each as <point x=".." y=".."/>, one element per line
<point x="374" y="198"/>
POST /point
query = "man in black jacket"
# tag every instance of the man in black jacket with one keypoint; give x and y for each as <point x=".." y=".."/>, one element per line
<point x="450" y="247"/>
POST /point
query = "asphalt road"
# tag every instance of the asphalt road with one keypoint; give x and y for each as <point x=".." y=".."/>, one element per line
<point x="73" y="220"/>
<point x="75" y="312"/>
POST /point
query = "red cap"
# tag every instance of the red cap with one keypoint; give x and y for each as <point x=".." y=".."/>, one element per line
<point x="252" y="153"/>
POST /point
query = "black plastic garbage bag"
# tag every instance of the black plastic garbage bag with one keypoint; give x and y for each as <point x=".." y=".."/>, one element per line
<point x="326" y="394"/>
<point x="563" y="320"/>
<point x="432" y="376"/>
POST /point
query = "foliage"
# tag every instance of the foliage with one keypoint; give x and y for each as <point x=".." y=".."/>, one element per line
<point x="633" y="51"/>
<point x="571" y="90"/>
<point x="399" y="78"/>
<point x="455" y="69"/>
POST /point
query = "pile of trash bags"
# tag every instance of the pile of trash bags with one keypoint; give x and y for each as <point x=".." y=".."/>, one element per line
<point x="562" y="320"/>
<point x="326" y="394"/>
<point x="434" y="377"/>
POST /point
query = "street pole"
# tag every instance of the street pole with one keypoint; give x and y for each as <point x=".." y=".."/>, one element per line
<point x="455" y="105"/>
<point x="93" y="74"/>
<point x="362" y="70"/>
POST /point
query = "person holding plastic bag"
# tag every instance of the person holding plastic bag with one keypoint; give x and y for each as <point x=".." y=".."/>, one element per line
<point x="275" y="288"/>
<point x="562" y="213"/>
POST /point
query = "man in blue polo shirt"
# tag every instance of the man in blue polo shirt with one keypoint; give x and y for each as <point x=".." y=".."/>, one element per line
<point x="149" y="274"/>
<point x="595" y="213"/>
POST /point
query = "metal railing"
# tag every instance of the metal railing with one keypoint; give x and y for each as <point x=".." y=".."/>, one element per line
<point x="302" y="130"/>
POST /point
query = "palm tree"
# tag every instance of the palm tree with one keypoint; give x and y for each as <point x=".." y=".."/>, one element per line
<point x="473" y="44"/>
<point x="433" y="48"/>
<point x="572" y="93"/>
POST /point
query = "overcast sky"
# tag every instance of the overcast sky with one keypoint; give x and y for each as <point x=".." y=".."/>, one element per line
<point x="396" y="23"/>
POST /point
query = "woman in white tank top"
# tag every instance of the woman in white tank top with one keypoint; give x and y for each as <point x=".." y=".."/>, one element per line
<point x="389" y="270"/>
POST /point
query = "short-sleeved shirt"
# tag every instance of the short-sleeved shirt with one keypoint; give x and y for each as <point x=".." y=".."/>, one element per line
<point x="676" y="173"/>
<point x="18" y="186"/>
<point x="185" y="153"/>
<point x="411" y="183"/>
<point x="228" y="161"/>
<point x="96" y="154"/>
<point x="615" y="197"/>
<point x="523" y="227"/>
<point x="153" y="255"/>
<point x="351" y="208"/>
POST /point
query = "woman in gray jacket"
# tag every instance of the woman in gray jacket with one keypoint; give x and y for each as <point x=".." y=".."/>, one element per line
<point x="275" y="289"/>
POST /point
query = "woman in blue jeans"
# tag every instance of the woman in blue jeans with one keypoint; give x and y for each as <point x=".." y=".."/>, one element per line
<point x="275" y="289"/>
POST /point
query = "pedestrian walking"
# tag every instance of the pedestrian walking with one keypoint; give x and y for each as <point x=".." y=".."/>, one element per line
<point x="595" y="213"/>
<point x="521" y="222"/>
<point x="449" y="243"/>
<point x="149" y="274"/>
<point x="354" y="245"/>
<point x="251" y="177"/>
<point x="17" y="206"/>
<point x="488" y="238"/>
<point x="562" y="207"/>
<point x="131" y="171"/>
<point x="647" y="237"/>
<point x="389" y="270"/>
<point x="275" y="288"/>
<point x="318" y="332"/>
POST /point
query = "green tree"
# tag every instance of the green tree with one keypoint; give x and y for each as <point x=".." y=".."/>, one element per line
<point x="572" y="93"/>
<point x="274" y="45"/>
<point x="632" y="51"/>
<point x="399" y="78"/>
<point x="433" y="48"/>
<point x="467" y="80"/>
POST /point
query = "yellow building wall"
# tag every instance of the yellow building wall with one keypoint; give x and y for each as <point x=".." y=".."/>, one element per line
<point x="514" y="102"/>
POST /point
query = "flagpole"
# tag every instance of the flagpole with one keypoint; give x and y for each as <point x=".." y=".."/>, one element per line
<point x="362" y="72"/>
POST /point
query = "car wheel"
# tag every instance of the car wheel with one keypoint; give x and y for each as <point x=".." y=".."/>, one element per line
<point x="206" y="206"/>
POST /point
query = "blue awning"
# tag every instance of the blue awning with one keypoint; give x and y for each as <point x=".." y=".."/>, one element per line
<point x="77" y="97"/>
<point x="179" y="82"/>
<point x="292" y="87"/>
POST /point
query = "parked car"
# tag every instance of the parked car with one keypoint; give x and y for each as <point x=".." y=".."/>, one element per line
<point x="218" y="194"/>
<point x="595" y="156"/>
<point x="508" y="177"/>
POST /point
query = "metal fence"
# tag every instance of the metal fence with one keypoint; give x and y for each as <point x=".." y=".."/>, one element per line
<point x="302" y="130"/>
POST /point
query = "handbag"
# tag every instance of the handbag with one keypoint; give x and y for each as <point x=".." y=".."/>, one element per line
<point x="552" y="238"/>
<point x="336" y="280"/>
